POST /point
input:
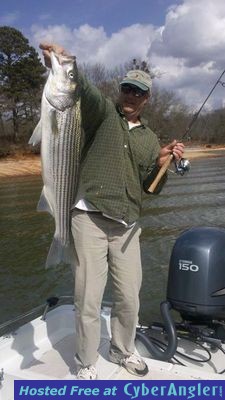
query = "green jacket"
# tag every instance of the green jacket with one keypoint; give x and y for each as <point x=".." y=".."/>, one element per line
<point x="114" y="160"/>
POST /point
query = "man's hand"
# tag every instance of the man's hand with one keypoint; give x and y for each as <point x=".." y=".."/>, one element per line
<point x="47" y="47"/>
<point x="175" y="148"/>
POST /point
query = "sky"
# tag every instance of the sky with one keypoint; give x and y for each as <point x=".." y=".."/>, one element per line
<point x="182" y="40"/>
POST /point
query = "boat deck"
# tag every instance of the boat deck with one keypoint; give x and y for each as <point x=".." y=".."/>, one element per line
<point x="44" y="350"/>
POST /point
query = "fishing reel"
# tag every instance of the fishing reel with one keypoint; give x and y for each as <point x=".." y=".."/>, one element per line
<point x="154" y="182"/>
<point x="182" y="166"/>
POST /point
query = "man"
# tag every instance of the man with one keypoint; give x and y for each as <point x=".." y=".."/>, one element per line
<point x="119" y="152"/>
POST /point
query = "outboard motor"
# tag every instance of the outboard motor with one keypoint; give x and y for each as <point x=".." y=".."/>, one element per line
<point x="196" y="281"/>
<point x="196" y="287"/>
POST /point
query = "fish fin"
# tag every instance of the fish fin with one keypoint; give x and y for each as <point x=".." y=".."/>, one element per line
<point x="36" y="136"/>
<point x="44" y="204"/>
<point x="59" y="254"/>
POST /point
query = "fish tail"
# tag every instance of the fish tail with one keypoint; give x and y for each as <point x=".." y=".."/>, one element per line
<point x="59" y="253"/>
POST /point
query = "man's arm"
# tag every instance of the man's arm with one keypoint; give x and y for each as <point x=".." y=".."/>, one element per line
<point x="175" y="149"/>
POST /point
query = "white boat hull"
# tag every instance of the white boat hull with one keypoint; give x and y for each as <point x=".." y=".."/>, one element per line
<point x="44" y="350"/>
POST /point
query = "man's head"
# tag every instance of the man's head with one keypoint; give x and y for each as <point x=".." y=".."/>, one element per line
<point x="134" y="93"/>
<point x="139" y="78"/>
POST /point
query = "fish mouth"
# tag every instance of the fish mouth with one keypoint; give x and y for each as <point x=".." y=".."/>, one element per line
<point x="63" y="59"/>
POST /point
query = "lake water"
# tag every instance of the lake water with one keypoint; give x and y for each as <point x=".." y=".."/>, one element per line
<point x="196" y="199"/>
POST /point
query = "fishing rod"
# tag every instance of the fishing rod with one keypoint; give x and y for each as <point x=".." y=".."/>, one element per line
<point x="183" y="165"/>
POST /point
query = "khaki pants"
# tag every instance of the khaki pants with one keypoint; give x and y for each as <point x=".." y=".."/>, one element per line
<point x="104" y="245"/>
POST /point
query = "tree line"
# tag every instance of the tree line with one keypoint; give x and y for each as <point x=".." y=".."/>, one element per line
<point x="22" y="78"/>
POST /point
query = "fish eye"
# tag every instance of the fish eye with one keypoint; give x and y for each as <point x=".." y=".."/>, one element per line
<point x="71" y="74"/>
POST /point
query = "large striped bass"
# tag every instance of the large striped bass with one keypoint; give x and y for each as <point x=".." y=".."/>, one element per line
<point x="59" y="131"/>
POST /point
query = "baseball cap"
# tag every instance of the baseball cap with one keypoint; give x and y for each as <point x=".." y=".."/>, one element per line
<point x="138" y="78"/>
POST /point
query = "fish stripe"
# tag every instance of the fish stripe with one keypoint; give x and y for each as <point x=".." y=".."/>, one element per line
<point x="67" y="168"/>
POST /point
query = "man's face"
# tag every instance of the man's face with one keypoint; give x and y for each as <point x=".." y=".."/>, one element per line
<point x="132" y="100"/>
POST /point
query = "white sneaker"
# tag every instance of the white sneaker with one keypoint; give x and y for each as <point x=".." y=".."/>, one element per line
<point x="87" y="373"/>
<point x="134" y="364"/>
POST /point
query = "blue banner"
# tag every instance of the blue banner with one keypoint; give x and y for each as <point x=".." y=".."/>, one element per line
<point x="119" y="390"/>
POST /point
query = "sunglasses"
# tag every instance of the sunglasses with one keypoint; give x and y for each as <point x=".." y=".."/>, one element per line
<point x="127" y="89"/>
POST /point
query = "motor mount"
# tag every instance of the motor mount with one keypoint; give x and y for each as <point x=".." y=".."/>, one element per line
<point x="196" y="289"/>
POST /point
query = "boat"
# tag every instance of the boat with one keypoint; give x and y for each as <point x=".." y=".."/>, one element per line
<point x="43" y="349"/>
<point x="40" y="344"/>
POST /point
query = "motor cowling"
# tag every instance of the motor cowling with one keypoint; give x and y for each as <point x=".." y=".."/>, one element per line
<point x="196" y="280"/>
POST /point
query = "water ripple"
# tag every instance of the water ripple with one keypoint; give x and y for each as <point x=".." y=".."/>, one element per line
<point x="197" y="199"/>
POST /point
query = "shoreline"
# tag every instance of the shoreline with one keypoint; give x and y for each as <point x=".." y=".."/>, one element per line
<point x="14" y="166"/>
<point x="27" y="165"/>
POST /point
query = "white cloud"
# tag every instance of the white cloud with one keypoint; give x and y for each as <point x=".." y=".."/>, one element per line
<point x="92" y="44"/>
<point x="130" y="42"/>
<point x="194" y="31"/>
<point x="189" y="49"/>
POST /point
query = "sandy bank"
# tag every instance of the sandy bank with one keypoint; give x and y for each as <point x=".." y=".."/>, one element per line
<point x="26" y="165"/>
<point x="31" y="165"/>
<point x="200" y="152"/>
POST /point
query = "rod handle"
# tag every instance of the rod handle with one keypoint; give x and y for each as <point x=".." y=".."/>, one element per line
<point x="160" y="174"/>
